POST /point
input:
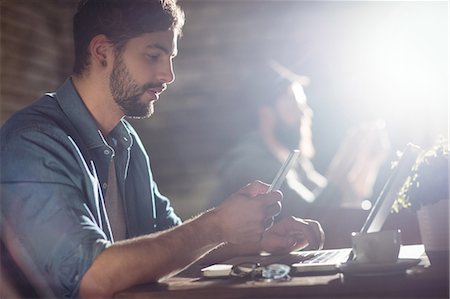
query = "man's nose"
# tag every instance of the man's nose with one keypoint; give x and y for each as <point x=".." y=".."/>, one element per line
<point x="166" y="73"/>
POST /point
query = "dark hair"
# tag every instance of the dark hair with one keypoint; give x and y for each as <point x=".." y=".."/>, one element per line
<point x="121" y="20"/>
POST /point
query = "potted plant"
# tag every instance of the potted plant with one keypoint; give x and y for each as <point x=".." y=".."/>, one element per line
<point x="426" y="191"/>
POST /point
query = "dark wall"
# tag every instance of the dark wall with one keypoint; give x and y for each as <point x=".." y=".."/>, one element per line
<point x="36" y="50"/>
<point x="202" y="113"/>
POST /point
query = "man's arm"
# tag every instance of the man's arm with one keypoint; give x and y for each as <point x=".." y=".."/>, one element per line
<point x="152" y="257"/>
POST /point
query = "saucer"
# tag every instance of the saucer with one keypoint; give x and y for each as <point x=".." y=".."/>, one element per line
<point x="360" y="269"/>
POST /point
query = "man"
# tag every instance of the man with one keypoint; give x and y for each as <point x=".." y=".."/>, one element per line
<point x="281" y="122"/>
<point x="81" y="213"/>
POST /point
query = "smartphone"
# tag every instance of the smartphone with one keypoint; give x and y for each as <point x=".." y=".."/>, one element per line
<point x="281" y="175"/>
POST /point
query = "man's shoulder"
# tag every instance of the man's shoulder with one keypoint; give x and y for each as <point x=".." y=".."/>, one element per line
<point x="35" y="111"/>
<point x="42" y="115"/>
<point x="36" y="142"/>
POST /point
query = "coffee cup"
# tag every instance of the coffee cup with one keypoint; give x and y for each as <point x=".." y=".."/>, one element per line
<point x="376" y="248"/>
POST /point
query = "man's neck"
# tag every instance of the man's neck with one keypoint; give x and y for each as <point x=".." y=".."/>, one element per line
<point x="95" y="94"/>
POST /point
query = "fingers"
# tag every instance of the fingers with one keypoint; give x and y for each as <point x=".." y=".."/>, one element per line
<point x="314" y="234"/>
<point x="254" y="188"/>
<point x="268" y="223"/>
<point x="273" y="209"/>
<point x="246" y="214"/>
<point x="292" y="233"/>
<point x="270" y="201"/>
<point x="274" y="243"/>
<point x="320" y="234"/>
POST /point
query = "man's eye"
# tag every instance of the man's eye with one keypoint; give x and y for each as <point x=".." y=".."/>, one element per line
<point x="153" y="58"/>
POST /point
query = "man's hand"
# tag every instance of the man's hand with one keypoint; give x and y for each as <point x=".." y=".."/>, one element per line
<point x="292" y="233"/>
<point x="246" y="214"/>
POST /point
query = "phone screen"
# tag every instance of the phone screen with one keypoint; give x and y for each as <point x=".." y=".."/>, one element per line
<point x="281" y="175"/>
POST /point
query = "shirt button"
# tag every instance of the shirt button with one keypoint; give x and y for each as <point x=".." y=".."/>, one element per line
<point x="106" y="152"/>
<point x="105" y="185"/>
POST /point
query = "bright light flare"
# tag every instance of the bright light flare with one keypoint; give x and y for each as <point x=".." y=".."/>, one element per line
<point x="399" y="69"/>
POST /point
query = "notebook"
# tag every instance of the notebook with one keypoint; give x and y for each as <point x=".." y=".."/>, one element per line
<point x="328" y="260"/>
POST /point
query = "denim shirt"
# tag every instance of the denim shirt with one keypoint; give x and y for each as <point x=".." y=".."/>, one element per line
<point x="54" y="172"/>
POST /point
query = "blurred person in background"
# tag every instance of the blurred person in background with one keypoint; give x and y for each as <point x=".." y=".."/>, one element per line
<point x="81" y="214"/>
<point x="282" y="122"/>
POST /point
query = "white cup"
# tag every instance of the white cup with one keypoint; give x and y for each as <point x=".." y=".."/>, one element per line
<point x="376" y="248"/>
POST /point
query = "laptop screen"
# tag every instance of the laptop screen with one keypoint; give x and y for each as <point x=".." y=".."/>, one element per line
<point x="391" y="189"/>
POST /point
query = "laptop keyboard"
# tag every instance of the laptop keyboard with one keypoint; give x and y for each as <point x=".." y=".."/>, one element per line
<point x="327" y="256"/>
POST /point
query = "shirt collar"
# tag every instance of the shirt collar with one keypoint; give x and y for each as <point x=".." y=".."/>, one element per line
<point x="78" y="114"/>
<point x="120" y="136"/>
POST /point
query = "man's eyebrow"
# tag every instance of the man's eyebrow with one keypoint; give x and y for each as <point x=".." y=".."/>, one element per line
<point x="162" y="48"/>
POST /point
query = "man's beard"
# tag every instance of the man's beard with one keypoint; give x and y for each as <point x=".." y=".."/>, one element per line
<point x="127" y="93"/>
<point x="288" y="135"/>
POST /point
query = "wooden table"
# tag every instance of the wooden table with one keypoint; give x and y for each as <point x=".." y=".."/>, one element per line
<point x="417" y="282"/>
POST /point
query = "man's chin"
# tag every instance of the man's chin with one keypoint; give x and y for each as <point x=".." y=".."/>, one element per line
<point x="141" y="112"/>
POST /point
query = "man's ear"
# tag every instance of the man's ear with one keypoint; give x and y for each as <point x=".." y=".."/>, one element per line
<point x="101" y="51"/>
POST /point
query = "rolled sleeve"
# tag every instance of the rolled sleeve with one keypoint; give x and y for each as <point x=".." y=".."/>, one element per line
<point x="165" y="213"/>
<point x="55" y="232"/>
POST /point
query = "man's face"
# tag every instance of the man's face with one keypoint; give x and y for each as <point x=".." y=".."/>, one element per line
<point x="142" y="71"/>
<point x="293" y="117"/>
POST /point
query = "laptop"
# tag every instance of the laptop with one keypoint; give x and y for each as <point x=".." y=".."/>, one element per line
<point x="329" y="259"/>
<point x="324" y="260"/>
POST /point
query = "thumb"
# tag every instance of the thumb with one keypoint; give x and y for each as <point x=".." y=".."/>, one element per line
<point x="254" y="188"/>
